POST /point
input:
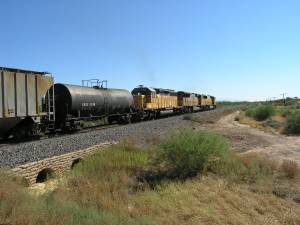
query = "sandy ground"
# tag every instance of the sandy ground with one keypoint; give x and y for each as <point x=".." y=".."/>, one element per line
<point x="246" y="139"/>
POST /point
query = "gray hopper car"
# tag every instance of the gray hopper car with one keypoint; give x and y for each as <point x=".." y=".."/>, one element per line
<point x="21" y="100"/>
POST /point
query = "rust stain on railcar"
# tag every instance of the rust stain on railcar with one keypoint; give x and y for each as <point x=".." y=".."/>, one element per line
<point x="9" y="94"/>
<point x="43" y="84"/>
<point x="21" y="94"/>
<point x="31" y="95"/>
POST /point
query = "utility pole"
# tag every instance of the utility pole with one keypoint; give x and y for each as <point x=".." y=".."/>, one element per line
<point x="283" y="97"/>
<point x="273" y="98"/>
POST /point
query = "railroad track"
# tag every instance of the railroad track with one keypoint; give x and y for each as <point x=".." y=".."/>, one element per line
<point x="11" y="141"/>
<point x="15" y="154"/>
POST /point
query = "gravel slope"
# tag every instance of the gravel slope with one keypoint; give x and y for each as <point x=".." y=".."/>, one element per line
<point x="18" y="154"/>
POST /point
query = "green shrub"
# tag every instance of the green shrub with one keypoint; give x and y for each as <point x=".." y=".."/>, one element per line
<point x="272" y="123"/>
<point x="292" y="125"/>
<point x="285" y="112"/>
<point x="261" y="113"/>
<point x="250" y="112"/>
<point x="186" y="153"/>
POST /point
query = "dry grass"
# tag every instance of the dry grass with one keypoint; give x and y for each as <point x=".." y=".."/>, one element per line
<point x="104" y="190"/>
<point x="213" y="200"/>
<point x="273" y="125"/>
<point x="279" y="118"/>
<point x="290" y="168"/>
<point x="16" y="205"/>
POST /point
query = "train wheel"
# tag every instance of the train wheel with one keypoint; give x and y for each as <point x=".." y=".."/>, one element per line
<point x="21" y="133"/>
<point x="110" y="120"/>
<point x="157" y="115"/>
<point x="136" y="118"/>
<point x="153" y="115"/>
<point x="124" y="119"/>
<point x="5" y="136"/>
<point x="128" y="118"/>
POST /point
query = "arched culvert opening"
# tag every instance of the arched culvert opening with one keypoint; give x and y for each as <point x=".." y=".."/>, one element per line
<point x="44" y="175"/>
<point x="76" y="162"/>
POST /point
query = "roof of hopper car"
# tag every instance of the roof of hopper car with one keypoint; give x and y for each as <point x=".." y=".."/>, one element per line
<point x="16" y="70"/>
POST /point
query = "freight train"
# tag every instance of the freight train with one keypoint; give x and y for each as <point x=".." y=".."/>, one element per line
<point x="31" y="104"/>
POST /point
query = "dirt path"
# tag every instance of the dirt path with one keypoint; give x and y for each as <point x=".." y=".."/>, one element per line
<point x="248" y="139"/>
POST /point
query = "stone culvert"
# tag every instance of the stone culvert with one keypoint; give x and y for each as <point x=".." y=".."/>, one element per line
<point x="39" y="171"/>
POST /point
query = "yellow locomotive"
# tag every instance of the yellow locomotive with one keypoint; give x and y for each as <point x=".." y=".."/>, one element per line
<point x="207" y="101"/>
<point x="153" y="102"/>
<point x="187" y="101"/>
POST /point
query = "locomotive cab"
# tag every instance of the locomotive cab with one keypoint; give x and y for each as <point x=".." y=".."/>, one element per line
<point x="142" y="95"/>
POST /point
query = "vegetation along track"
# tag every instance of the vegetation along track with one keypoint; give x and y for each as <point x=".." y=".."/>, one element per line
<point x="142" y="133"/>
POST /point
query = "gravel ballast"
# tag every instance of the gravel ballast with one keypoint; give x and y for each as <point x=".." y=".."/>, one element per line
<point x="17" y="154"/>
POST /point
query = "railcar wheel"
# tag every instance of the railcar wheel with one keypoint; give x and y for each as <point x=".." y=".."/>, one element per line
<point x="110" y="120"/>
<point x="157" y="114"/>
<point x="21" y="133"/>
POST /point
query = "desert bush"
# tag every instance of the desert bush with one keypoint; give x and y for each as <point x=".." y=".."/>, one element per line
<point x="249" y="112"/>
<point x="187" y="153"/>
<point x="244" y="168"/>
<point x="261" y="113"/>
<point x="292" y="125"/>
<point x="285" y="111"/>
<point x="289" y="168"/>
<point x="272" y="123"/>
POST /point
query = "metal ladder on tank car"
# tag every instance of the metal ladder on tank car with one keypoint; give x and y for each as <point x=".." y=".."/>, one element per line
<point x="51" y="109"/>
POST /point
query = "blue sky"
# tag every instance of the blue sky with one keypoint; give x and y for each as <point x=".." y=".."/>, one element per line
<point x="235" y="50"/>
